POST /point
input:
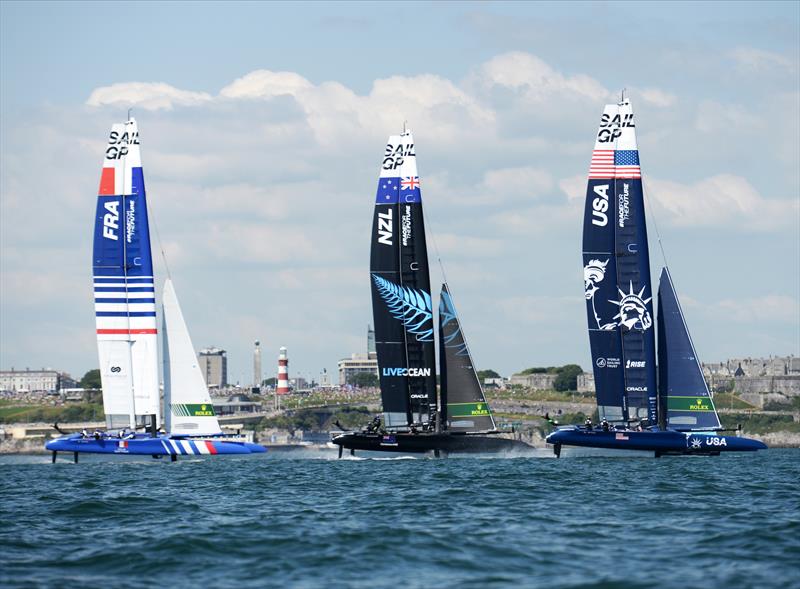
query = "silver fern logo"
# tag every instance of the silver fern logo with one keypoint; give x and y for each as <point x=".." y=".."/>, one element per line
<point x="451" y="329"/>
<point x="410" y="306"/>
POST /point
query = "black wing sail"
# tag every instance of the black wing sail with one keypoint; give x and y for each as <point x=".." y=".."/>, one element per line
<point x="463" y="402"/>
<point x="384" y="277"/>
<point x="401" y="300"/>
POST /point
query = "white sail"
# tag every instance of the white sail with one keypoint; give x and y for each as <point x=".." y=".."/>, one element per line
<point x="187" y="404"/>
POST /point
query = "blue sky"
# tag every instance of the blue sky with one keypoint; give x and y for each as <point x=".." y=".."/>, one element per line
<point x="262" y="127"/>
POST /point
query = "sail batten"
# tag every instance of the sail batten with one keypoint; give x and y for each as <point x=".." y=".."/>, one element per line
<point x="123" y="285"/>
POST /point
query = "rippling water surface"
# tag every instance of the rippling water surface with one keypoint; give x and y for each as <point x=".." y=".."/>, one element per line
<point x="309" y="520"/>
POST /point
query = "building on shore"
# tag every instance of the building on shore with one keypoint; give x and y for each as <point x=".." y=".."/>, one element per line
<point x="540" y="381"/>
<point x="235" y="404"/>
<point x="45" y="380"/>
<point x="586" y="382"/>
<point x="213" y="364"/>
<point x="358" y="362"/>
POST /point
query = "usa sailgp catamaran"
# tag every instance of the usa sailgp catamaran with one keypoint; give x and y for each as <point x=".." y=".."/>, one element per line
<point x="125" y="310"/>
<point x="415" y="418"/>
<point x="666" y="411"/>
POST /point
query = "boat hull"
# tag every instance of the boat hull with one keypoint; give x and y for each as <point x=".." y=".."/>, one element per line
<point x="144" y="444"/>
<point x="421" y="443"/>
<point x="667" y="442"/>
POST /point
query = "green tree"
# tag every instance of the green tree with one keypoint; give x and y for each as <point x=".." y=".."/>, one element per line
<point x="364" y="379"/>
<point x="540" y="370"/>
<point x="91" y="380"/>
<point x="482" y="374"/>
<point x="567" y="379"/>
<point x="269" y="382"/>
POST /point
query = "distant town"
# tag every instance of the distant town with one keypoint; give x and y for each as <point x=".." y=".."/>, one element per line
<point x="765" y="392"/>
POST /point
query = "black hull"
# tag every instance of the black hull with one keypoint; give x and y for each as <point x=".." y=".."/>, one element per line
<point x="421" y="443"/>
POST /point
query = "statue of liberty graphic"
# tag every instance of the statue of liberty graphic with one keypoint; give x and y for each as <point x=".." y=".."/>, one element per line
<point x="593" y="274"/>
<point x="633" y="313"/>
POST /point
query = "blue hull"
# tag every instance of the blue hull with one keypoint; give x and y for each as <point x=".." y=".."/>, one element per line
<point x="667" y="442"/>
<point x="145" y="444"/>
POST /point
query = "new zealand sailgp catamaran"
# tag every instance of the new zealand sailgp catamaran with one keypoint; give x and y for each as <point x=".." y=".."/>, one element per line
<point x="125" y="310"/>
<point x="415" y="418"/>
<point x="679" y="416"/>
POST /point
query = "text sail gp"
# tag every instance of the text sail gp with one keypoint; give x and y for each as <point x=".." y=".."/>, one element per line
<point x="400" y="283"/>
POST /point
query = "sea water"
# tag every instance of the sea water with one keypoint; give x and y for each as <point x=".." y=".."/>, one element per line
<point x="306" y="519"/>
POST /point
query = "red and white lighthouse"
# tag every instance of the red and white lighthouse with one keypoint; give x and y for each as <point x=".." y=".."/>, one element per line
<point x="283" y="373"/>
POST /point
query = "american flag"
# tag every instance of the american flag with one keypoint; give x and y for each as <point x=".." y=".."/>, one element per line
<point x="621" y="437"/>
<point x="627" y="163"/>
<point x="602" y="166"/>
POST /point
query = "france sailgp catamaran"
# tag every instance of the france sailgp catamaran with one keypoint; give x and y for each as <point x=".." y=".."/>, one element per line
<point x="415" y="418"/>
<point x="125" y="310"/>
<point x="666" y="411"/>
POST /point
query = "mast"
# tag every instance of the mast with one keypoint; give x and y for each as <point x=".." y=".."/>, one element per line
<point x="123" y="285"/>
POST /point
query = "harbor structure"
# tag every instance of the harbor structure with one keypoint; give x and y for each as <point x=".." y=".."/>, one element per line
<point x="214" y="366"/>
<point x="283" y="372"/>
<point x="257" y="367"/>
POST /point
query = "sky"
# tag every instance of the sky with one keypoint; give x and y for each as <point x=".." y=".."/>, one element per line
<point x="262" y="127"/>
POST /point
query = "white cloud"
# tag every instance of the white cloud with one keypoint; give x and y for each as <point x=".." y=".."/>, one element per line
<point x="266" y="84"/>
<point x="535" y="79"/>
<point x="721" y="200"/>
<point x="764" y="309"/>
<point x="517" y="183"/>
<point x="657" y="97"/>
<point x="146" y="95"/>
<point x="752" y="59"/>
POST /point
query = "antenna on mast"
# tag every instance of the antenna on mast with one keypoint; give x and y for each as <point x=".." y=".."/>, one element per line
<point x="622" y="96"/>
<point x="129" y="114"/>
<point x="405" y="127"/>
